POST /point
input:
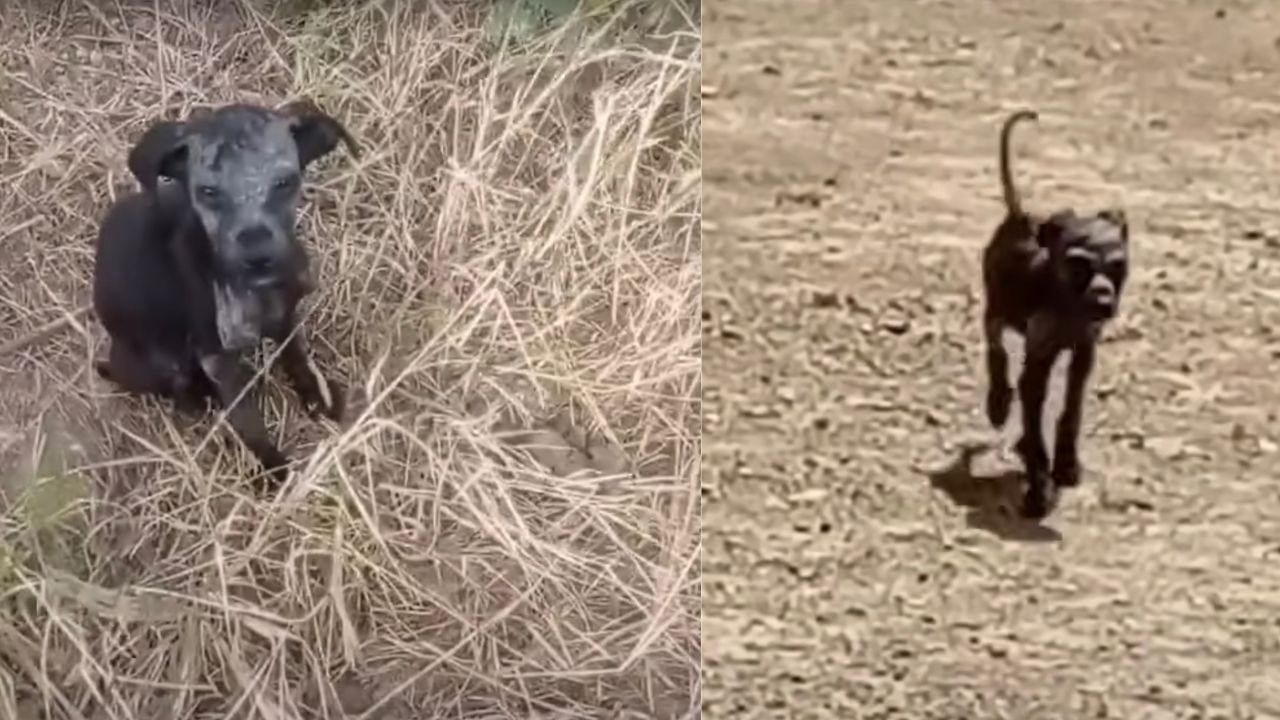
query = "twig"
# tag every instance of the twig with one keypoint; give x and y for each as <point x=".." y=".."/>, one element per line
<point x="43" y="332"/>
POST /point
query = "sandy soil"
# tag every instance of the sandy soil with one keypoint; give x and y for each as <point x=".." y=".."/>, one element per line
<point x="854" y="567"/>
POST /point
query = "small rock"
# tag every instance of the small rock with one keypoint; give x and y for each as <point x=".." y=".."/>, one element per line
<point x="798" y="197"/>
<point x="710" y="91"/>
<point x="759" y="411"/>
<point x="1165" y="448"/>
<point x="826" y="299"/>
<point x="895" y="324"/>
<point x="812" y="495"/>
<point x="770" y="69"/>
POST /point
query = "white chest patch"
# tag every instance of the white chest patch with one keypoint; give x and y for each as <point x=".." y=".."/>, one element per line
<point x="240" y="318"/>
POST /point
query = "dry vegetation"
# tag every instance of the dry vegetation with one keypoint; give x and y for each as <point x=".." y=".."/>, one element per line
<point x="506" y="525"/>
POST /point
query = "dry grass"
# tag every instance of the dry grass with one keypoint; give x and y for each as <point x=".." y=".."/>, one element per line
<point x="507" y="523"/>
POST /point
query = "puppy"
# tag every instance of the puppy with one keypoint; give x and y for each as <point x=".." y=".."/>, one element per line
<point x="1056" y="281"/>
<point x="191" y="275"/>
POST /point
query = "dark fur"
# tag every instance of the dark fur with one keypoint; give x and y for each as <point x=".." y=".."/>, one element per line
<point x="191" y="274"/>
<point x="1057" y="281"/>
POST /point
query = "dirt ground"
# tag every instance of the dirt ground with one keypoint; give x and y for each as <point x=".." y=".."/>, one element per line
<point x="854" y="568"/>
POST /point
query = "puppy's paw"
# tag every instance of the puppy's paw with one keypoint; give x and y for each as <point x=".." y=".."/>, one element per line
<point x="1066" y="469"/>
<point x="279" y="475"/>
<point x="1040" y="500"/>
<point x="999" y="401"/>
<point x="321" y="396"/>
<point x="338" y="408"/>
<point x="329" y="400"/>
<point x="103" y="368"/>
<point x="276" y="466"/>
<point x="190" y="403"/>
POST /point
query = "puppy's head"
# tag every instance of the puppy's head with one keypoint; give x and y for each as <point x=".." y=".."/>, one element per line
<point x="241" y="167"/>
<point x="1089" y="255"/>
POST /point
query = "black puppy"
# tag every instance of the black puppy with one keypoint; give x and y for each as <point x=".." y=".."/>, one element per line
<point x="191" y="274"/>
<point x="1057" y="281"/>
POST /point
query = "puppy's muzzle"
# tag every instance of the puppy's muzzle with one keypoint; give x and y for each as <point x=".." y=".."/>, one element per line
<point x="1100" y="302"/>
<point x="261" y="264"/>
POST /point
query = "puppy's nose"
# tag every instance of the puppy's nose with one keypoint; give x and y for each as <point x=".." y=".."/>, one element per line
<point x="256" y="253"/>
<point x="254" y="237"/>
<point x="1102" y="304"/>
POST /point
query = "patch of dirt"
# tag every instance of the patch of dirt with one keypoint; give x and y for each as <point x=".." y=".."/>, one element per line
<point x="861" y="558"/>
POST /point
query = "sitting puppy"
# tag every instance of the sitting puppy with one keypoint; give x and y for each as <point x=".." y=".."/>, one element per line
<point x="191" y="274"/>
<point x="1055" y="280"/>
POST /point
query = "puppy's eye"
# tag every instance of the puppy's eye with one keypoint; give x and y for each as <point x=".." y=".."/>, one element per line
<point x="1080" y="270"/>
<point x="287" y="182"/>
<point x="208" y="192"/>
<point x="1080" y="265"/>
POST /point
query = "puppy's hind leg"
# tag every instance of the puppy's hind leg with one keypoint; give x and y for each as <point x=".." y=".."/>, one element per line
<point x="134" y="371"/>
<point x="1066" y="458"/>
<point x="999" y="393"/>
<point x="151" y="372"/>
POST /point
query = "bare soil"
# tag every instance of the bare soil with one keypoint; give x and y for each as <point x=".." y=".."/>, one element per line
<point x="862" y="555"/>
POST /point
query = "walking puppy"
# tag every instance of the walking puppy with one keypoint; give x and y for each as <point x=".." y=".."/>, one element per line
<point x="191" y="274"/>
<point x="1055" y="280"/>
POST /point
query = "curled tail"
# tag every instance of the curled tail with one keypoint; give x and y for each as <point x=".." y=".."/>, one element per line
<point x="1012" y="203"/>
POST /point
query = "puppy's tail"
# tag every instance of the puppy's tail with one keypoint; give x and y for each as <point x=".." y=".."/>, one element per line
<point x="1012" y="201"/>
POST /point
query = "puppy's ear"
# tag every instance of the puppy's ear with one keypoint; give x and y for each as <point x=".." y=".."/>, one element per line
<point x="1117" y="217"/>
<point x="1049" y="232"/>
<point x="160" y="152"/>
<point x="315" y="132"/>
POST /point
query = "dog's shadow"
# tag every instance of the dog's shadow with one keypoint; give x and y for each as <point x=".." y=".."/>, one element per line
<point x="992" y="501"/>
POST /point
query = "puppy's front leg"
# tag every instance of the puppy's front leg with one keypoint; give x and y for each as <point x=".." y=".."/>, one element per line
<point x="999" y="394"/>
<point x="1033" y="385"/>
<point x="318" y="393"/>
<point x="1066" y="459"/>
<point x="237" y="392"/>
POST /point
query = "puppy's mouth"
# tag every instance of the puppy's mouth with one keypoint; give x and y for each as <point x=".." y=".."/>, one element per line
<point x="265" y="282"/>
<point x="274" y="276"/>
<point x="1101" y="311"/>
